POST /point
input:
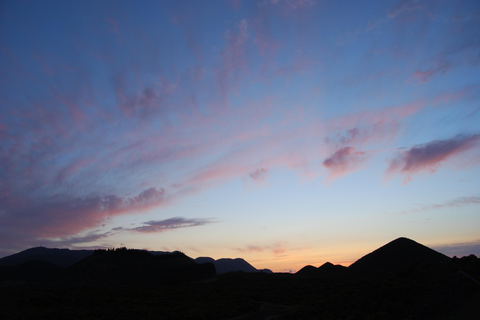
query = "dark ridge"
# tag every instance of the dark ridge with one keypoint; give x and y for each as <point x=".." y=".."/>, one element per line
<point x="227" y="265"/>
<point x="398" y="254"/>
<point x="59" y="257"/>
<point x="231" y="265"/>
<point x="126" y="284"/>
<point x="205" y="260"/>
<point x="308" y="271"/>
<point x="327" y="270"/>
<point x="138" y="266"/>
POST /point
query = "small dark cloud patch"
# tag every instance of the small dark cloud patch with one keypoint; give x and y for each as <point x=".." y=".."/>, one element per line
<point x="259" y="175"/>
<point x="429" y="156"/>
<point x="170" y="224"/>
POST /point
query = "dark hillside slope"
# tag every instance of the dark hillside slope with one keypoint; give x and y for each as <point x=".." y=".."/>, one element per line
<point x="60" y="257"/>
<point x="327" y="270"/>
<point x="133" y="266"/>
<point x="230" y="265"/>
<point x="398" y="254"/>
<point x="225" y="265"/>
<point x="32" y="271"/>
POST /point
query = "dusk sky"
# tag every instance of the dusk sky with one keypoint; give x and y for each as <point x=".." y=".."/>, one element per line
<point x="285" y="132"/>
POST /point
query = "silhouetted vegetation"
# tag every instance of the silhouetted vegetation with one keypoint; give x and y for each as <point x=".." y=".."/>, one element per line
<point x="124" y="284"/>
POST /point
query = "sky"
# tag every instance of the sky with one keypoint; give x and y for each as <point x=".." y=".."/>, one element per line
<point x="285" y="132"/>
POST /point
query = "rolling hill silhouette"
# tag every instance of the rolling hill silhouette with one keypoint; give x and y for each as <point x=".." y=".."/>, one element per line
<point x="400" y="280"/>
<point x="230" y="265"/>
<point x="395" y="255"/>
<point x="138" y="266"/>
<point x="59" y="257"/>
<point x="327" y="270"/>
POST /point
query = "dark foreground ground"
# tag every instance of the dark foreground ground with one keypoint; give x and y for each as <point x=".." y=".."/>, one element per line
<point x="424" y="291"/>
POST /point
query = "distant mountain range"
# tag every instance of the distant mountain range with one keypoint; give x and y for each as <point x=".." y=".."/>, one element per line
<point x="60" y="257"/>
<point x="400" y="280"/>
<point x="38" y="263"/>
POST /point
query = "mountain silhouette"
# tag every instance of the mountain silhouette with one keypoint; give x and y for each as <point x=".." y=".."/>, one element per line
<point x="400" y="280"/>
<point x="59" y="257"/>
<point x="138" y="266"/>
<point x="230" y="265"/>
<point x="395" y="255"/>
<point x="327" y="270"/>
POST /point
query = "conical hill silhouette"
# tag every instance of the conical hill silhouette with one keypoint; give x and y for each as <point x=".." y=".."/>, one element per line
<point x="395" y="255"/>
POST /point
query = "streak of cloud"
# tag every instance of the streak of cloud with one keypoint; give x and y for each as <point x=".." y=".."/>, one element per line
<point x="429" y="157"/>
<point x="277" y="248"/>
<point x="60" y="216"/>
<point x="454" y="203"/>
<point x="170" y="224"/>
<point x="344" y="160"/>
<point x="259" y="174"/>
<point x="404" y="6"/>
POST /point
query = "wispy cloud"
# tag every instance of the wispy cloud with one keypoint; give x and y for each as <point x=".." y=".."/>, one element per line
<point x="429" y="157"/>
<point x="119" y="117"/>
<point x="296" y="4"/>
<point x="457" y="202"/>
<point x="277" y="248"/>
<point x="344" y="160"/>
<point x="404" y="6"/>
<point x="233" y="57"/>
<point x="60" y="216"/>
<point x="459" y="249"/>
<point x="170" y="224"/>
<point x="259" y="174"/>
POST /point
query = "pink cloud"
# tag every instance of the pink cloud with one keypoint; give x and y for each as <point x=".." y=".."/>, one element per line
<point x="63" y="215"/>
<point x="233" y="56"/>
<point x="374" y="123"/>
<point x="235" y="4"/>
<point x="364" y="132"/>
<point x="343" y="160"/>
<point x="264" y="39"/>
<point x="425" y="76"/>
<point x="152" y="134"/>
<point x="296" y="4"/>
<point x="404" y="6"/>
<point x="277" y="248"/>
<point x="259" y="174"/>
<point x="72" y="169"/>
<point x="429" y="157"/>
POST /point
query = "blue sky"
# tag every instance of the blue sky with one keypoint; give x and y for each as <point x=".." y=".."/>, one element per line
<point x="286" y="132"/>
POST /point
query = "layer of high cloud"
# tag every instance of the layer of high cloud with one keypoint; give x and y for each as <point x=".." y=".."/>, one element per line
<point x="116" y="117"/>
<point x="149" y="227"/>
<point x="429" y="157"/>
<point x="25" y="219"/>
